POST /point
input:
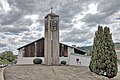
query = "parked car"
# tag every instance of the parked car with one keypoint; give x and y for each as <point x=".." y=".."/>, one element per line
<point x="3" y="65"/>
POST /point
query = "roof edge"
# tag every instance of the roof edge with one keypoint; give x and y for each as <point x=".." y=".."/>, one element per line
<point x="30" y="43"/>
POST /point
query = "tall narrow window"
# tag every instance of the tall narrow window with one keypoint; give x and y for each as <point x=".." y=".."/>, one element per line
<point x="29" y="50"/>
<point x="63" y="51"/>
<point x="40" y="48"/>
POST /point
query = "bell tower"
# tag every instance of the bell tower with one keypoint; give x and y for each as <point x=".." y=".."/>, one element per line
<point x="51" y="42"/>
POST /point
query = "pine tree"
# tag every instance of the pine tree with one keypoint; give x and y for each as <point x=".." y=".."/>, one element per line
<point x="103" y="59"/>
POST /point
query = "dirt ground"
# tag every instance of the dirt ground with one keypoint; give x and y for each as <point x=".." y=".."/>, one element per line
<point x="117" y="77"/>
<point x="41" y="72"/>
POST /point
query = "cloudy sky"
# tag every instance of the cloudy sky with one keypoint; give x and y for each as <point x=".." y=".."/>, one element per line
<point x="21" y="21"/>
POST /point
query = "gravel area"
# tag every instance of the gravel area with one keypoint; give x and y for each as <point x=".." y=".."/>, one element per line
<point x="41" y="72"/>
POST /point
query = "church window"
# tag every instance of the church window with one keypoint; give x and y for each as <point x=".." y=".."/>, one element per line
<point x="40" y="48"/>
<point x="29" y="50"/>
<point x="63" y="50"/>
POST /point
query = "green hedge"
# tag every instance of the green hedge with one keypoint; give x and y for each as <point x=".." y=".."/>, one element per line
<point x="63" y="62"/>
<point x="37" y="61"/>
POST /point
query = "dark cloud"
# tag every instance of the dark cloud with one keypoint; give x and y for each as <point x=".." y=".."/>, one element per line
<point x="2" y="44"/>
<point x="79" y="31"/>
<point x="24" y="41"/>
<point x="23" y="22"/>
<point x="108" y="7"/>
<point x="65" y="26"/>
<point x="19" y="8"/>
<point x="23" y="6"/>
<point x="8" y="19"/>
<point x="105" y="10"/>
<point x="77" y="35"/>
<point x="73" y="39"/>
<point x="12" y="29"/>
<point x="94" y="18"/>
<point x="70" y="8"/>
<point x="23" y="30"/>
<point x="29" y="37"/>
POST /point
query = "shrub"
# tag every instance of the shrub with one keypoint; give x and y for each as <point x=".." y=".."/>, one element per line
<point x="63" y="62"/>
<point x="37" y="61"/>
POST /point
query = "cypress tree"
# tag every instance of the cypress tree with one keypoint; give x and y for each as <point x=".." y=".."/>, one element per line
<point x="111" y="57"/>
<point x="103" y="56"/>
<point x="96" y="54"/>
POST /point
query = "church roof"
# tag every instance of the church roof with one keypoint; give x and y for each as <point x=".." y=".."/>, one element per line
<point x="31" y="43"/>
<point x="76" y="49"/>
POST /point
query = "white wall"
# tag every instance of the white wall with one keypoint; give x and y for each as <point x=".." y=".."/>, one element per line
<point x="70" y="50"/>
<point x="83" y="60"/>
<point x="118" y="56"/>
<point x="71" y="59"/>
<point x="29" y="60"/>
<point x="118" y="53"/>
<point x="119" y="68"/>
<point x="64" y="59"/>
<point x="26" y="60"/>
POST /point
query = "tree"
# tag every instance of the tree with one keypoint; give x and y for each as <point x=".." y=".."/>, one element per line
<point x="111" y="57"/>
<point x="7" y="56"/>
<point x="103" y="55"/>
<point x="96" y="53"/>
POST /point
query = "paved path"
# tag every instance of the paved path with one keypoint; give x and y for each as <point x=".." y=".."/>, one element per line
<point x="0" y="73"/>
<point x="41" y="72"/>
